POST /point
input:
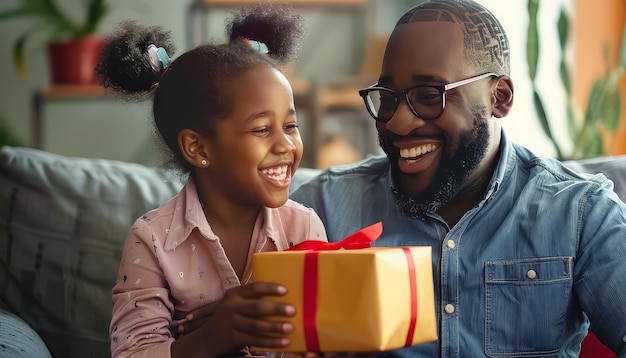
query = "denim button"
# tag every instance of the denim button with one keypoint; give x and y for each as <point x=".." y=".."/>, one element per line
<point x="531" y="274"/>
<point x="450" y="244"/>
<point x="449" y="308"/>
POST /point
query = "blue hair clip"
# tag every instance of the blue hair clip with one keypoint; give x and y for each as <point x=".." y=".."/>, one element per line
<point x="257" y="45"/>
<point x="159" y="60"/>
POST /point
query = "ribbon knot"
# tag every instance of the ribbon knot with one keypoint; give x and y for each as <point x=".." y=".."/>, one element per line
<point x="359" y="240"/>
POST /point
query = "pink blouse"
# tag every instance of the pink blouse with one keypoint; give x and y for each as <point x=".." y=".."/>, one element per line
<point x="173" y="263"/>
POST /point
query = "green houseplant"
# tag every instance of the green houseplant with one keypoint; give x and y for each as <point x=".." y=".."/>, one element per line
<point x="601" y="114"/>
<point x="73" y="45"/>
<point x="7" y="137"/>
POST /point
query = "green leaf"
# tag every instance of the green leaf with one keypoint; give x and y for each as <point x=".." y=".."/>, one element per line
<point x="7" y="137"/>
<point x="543" y="121"/>
<point x="621" y="62"/>
<point x="541" y="114"/>
<point x="14" y="13"/>
<point x="96" y="10"/>
<point x="565" y="77"/>
<point x="597" y="101"/>
<point x="611" y="116"/>
<point x="573" y="126"/>
<point x="18" y="54"/>
<point x="592" y="144"/>
<point x="532" y="39"/>
<point x="563" y="29"/>
<point x="64" y="25"/>
<point x="19" y="46"/>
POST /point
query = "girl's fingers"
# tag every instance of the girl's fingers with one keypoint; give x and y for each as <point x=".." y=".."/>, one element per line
<point x="262" y="328"/>
<point x="259" y="289"/>
<point x="262" y="308"/>
<point x="200" y="312"/>
<point x="191" y="325"/>
<point x="262" y="341"/>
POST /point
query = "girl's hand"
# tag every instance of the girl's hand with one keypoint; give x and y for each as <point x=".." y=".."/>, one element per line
<point x="329" y="355"/>
<point x="241" y="318"/>
<point x="193" y="320"/>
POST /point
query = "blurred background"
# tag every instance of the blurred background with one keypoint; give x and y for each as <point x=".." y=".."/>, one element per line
<point x="341" y="53"/>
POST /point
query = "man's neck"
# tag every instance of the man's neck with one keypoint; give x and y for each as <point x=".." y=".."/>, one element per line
<point x="471" y="195"/>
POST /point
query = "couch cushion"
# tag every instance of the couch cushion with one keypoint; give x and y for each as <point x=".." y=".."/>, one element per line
<point x="24" y="342"/>
<point x="63" y="222"/>
<point x="613" y="167"/>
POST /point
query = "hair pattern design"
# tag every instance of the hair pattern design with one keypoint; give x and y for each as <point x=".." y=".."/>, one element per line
<point x="486" y="43"/>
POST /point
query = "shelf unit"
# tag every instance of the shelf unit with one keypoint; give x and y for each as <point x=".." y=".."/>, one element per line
<point x="60" y="93"/>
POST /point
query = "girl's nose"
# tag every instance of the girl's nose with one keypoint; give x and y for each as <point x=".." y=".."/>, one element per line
<point x="285" y="143"/>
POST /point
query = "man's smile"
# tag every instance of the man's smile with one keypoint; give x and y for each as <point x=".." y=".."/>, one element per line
<point x="415" y="152"/>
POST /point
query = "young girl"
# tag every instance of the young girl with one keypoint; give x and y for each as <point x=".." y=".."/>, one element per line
<point x="227" y="114"/>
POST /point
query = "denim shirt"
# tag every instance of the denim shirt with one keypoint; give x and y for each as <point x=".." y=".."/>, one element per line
<point x="521" y="274"/>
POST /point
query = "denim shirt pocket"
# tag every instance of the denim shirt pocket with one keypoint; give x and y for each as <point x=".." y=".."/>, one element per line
<point x="525" y="303"/>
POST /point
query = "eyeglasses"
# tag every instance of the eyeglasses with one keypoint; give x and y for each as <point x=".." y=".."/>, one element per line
<point x="425" y="101"/>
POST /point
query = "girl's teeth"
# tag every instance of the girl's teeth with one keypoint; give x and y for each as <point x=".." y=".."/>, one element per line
<point x="277" y="173"/>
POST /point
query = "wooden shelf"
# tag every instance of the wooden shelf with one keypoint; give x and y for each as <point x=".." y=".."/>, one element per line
<point x="61" y="93"/>
<point x="226" y="3"/>
<point x="300" y="86"/>
<point x="72" y="91"/>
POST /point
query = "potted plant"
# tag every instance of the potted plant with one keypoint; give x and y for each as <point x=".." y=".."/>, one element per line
<point x="601" y="115"/>
<point x="73" y="46"/>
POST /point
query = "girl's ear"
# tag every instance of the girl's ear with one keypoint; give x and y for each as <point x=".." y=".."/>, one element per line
<point x="502" y="100"/>
<point x="194" y="148"/>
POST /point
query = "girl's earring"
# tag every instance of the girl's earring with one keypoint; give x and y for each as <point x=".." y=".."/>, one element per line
<point x="203" y="162"/>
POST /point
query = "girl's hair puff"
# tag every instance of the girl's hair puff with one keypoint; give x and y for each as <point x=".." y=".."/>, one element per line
<point x="269" y="25"/>
<point x="123" y="65"/>
<point x="192" y="93"/>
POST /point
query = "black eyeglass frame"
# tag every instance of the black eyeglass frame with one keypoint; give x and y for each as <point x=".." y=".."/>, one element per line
<point x="442" y="89"/>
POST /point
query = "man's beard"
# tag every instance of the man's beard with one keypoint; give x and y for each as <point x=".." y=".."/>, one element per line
<point x="453" y="173"/>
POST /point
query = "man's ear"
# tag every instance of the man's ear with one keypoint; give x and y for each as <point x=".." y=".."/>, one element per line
<point x="194" y="148"/>
<point x="502" y="100"/>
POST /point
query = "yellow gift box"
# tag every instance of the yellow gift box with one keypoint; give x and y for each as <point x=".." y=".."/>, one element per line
<point x="367" y="299"/>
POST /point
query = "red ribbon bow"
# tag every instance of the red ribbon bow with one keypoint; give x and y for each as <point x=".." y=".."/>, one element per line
<point x="359" y="240"/>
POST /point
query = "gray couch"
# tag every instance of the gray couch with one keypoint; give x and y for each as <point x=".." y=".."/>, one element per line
<point x="62" y="225"/>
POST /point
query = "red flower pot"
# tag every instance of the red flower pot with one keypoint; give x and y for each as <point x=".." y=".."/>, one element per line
<point x="73" y="61"/>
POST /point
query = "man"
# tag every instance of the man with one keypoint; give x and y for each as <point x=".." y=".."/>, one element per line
<point x="525" y="252"/>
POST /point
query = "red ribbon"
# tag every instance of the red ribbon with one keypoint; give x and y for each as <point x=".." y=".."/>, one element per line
<point x="413" y="287"/>
<point x="309" y="301"/>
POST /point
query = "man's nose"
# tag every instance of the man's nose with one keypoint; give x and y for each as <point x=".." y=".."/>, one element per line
<point x="403" y="120"/>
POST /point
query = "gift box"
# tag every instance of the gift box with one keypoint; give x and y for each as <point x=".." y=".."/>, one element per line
<point x="350" y="297"/>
